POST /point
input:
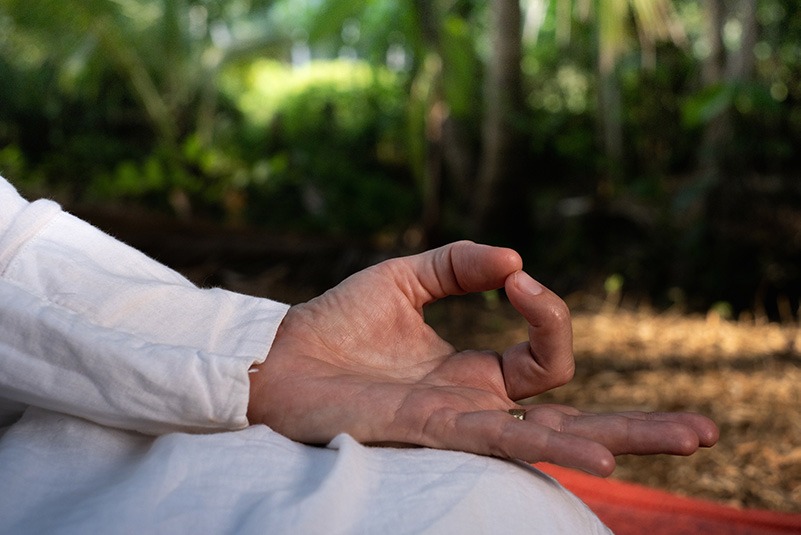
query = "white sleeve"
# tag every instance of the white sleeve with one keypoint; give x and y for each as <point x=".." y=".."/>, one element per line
<point x="96" y="329"/>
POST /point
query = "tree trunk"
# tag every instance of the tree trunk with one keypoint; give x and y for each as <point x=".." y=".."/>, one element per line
<point x="611" y="32"/>
<point x="610" y="117"/>
<point x="431" y="105"/>
<point x="715" y="64"/>
<point x="734" y="69"/>
<point x="718" y="130"/>
<point x="502" y="103"/>
<point x="741" y="64"/>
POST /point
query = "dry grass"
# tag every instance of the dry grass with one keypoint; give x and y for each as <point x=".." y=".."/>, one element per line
<point x="745" y="376"/>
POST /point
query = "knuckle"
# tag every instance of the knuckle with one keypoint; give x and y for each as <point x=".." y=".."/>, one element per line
<point x="503" y="447"/>
<point x="559" y="312"/>
<point x="566" y="375"/>
<point x="547" y="416"/>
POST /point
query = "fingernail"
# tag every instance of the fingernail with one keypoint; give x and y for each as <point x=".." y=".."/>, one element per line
<point x="527" y="284"/>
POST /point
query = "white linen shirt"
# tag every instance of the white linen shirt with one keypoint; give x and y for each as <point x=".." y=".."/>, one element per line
<point x="123" y="398"/>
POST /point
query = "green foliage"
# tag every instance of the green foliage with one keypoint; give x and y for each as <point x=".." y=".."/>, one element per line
<point x="713" y="101"/>
<point x="191" y="106"/>
<point x="722" y="309"/>
<point x="333" y="134"/>
<point x="613" y="284"/>
<point x="461" y="67"/>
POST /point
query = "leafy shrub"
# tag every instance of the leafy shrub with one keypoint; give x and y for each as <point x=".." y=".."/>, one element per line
<point x="331" y="136"/>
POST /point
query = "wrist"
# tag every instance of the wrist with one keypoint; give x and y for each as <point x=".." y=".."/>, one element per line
<point x="256" y="379"/>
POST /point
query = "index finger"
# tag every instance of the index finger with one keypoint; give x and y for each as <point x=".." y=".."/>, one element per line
<point x="546" y="360"/>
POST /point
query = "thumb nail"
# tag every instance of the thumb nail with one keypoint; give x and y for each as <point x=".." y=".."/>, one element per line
<point x="527" y="284"/>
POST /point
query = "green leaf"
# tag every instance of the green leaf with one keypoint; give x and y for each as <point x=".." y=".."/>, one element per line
<point x="707" y="104"/>
<point x="332" y="15"/>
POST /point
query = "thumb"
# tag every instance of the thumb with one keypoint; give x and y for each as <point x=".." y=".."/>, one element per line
<point x="546" y="360"/>
<point x="455" y="269"/>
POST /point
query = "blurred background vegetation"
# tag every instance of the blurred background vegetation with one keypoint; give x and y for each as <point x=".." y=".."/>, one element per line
<point x="638" y="147"/>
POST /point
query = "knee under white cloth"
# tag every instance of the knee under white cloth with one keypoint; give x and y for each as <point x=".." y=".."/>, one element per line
<point x="62" y="474"/>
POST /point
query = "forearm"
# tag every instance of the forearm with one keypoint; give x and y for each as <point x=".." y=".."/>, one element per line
<point x="92" y="327"/>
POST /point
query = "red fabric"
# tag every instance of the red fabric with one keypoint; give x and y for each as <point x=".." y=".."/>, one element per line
<point x="627" y="508"/>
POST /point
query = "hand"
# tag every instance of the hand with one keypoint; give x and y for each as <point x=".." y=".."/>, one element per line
<point x="360" y="360"/>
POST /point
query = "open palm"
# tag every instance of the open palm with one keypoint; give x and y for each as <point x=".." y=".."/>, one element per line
<point x="361" y="360"/>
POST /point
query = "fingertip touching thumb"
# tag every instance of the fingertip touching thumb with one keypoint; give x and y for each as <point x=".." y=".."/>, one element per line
<point x="525" y="283"/>
<point x="546" y="361"/>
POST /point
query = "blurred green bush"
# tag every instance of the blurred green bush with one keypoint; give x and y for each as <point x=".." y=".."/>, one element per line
<point x="327" y="144"/>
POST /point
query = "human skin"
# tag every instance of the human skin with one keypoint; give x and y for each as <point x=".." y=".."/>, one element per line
<point x="361" y="360"/>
